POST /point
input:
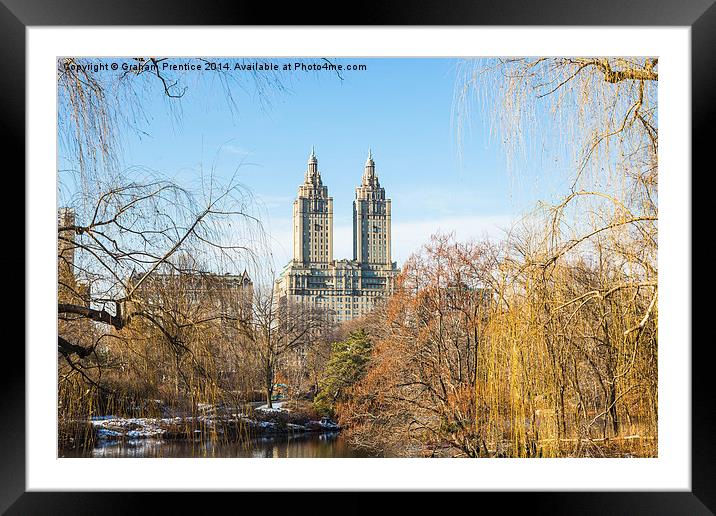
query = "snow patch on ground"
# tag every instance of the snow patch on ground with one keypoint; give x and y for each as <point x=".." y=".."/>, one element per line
<point x="111" y="428"/>
<point x="277" y="407"/>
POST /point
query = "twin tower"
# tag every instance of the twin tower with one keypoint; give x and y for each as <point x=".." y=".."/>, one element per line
<point x="344" y="288"/>
<point x="313" y="219"/>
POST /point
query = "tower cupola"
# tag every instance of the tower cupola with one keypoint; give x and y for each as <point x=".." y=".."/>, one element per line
<point x="369" y="177"/>
<point x="312" y="174"/>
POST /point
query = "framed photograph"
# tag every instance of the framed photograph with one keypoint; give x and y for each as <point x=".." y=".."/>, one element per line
<point x="420" y="253"/>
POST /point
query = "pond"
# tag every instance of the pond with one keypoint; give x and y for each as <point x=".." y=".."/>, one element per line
<point x="313" y="445"/>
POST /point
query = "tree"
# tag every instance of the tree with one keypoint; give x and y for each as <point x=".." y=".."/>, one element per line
<point x="347" y="364"/>
<point x="605" y="110"/>
<point x="123" y="227"/>
<point x="420" y="387"/>
<point x="148" y="321"/>
<point x="135" y="232"/>
<point x="277" y="327"/>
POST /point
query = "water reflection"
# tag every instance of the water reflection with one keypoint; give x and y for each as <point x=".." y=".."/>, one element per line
<point x="302" y="446"/>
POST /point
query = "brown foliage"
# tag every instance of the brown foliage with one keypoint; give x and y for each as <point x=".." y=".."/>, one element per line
<point x="481" y="357"/>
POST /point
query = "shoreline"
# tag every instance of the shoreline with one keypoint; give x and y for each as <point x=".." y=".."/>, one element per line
<point x="228" y="426"/>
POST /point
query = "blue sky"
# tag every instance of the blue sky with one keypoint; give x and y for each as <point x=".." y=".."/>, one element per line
<point x="401" y="108"/>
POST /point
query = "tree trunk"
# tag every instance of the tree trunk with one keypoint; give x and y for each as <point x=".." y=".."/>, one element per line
<point x="613" y="408"/>
<point x="269" y="384"/>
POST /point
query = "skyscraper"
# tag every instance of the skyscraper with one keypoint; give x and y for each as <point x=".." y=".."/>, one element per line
<point x="371" y="219"/>
<point x="348" y="288"/>
<point x="313" y="218"/>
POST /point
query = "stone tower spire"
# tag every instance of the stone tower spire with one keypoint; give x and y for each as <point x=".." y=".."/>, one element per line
<point x="313" y="218"/>
<point x="371" y="219"/>
<point x="313" y="176"/>
<point x="369" y="177"/>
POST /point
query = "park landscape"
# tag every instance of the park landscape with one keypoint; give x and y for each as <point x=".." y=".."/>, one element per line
<point x="538" y="340"/>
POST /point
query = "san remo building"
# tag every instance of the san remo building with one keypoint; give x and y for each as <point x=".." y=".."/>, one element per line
<point x="347" y="288"/>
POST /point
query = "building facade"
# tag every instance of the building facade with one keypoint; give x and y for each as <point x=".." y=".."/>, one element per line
<point x="65" y="241"/>
<point x="346" y="288"/>
<point x="189" y="294"/>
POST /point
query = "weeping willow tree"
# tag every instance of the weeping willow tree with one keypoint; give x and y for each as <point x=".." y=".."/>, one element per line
<point x="584" y="265"/>
<point x="122" y="333"/>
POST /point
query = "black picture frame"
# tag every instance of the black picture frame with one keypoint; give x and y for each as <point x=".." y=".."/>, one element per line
<point x="17" y="15"/>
